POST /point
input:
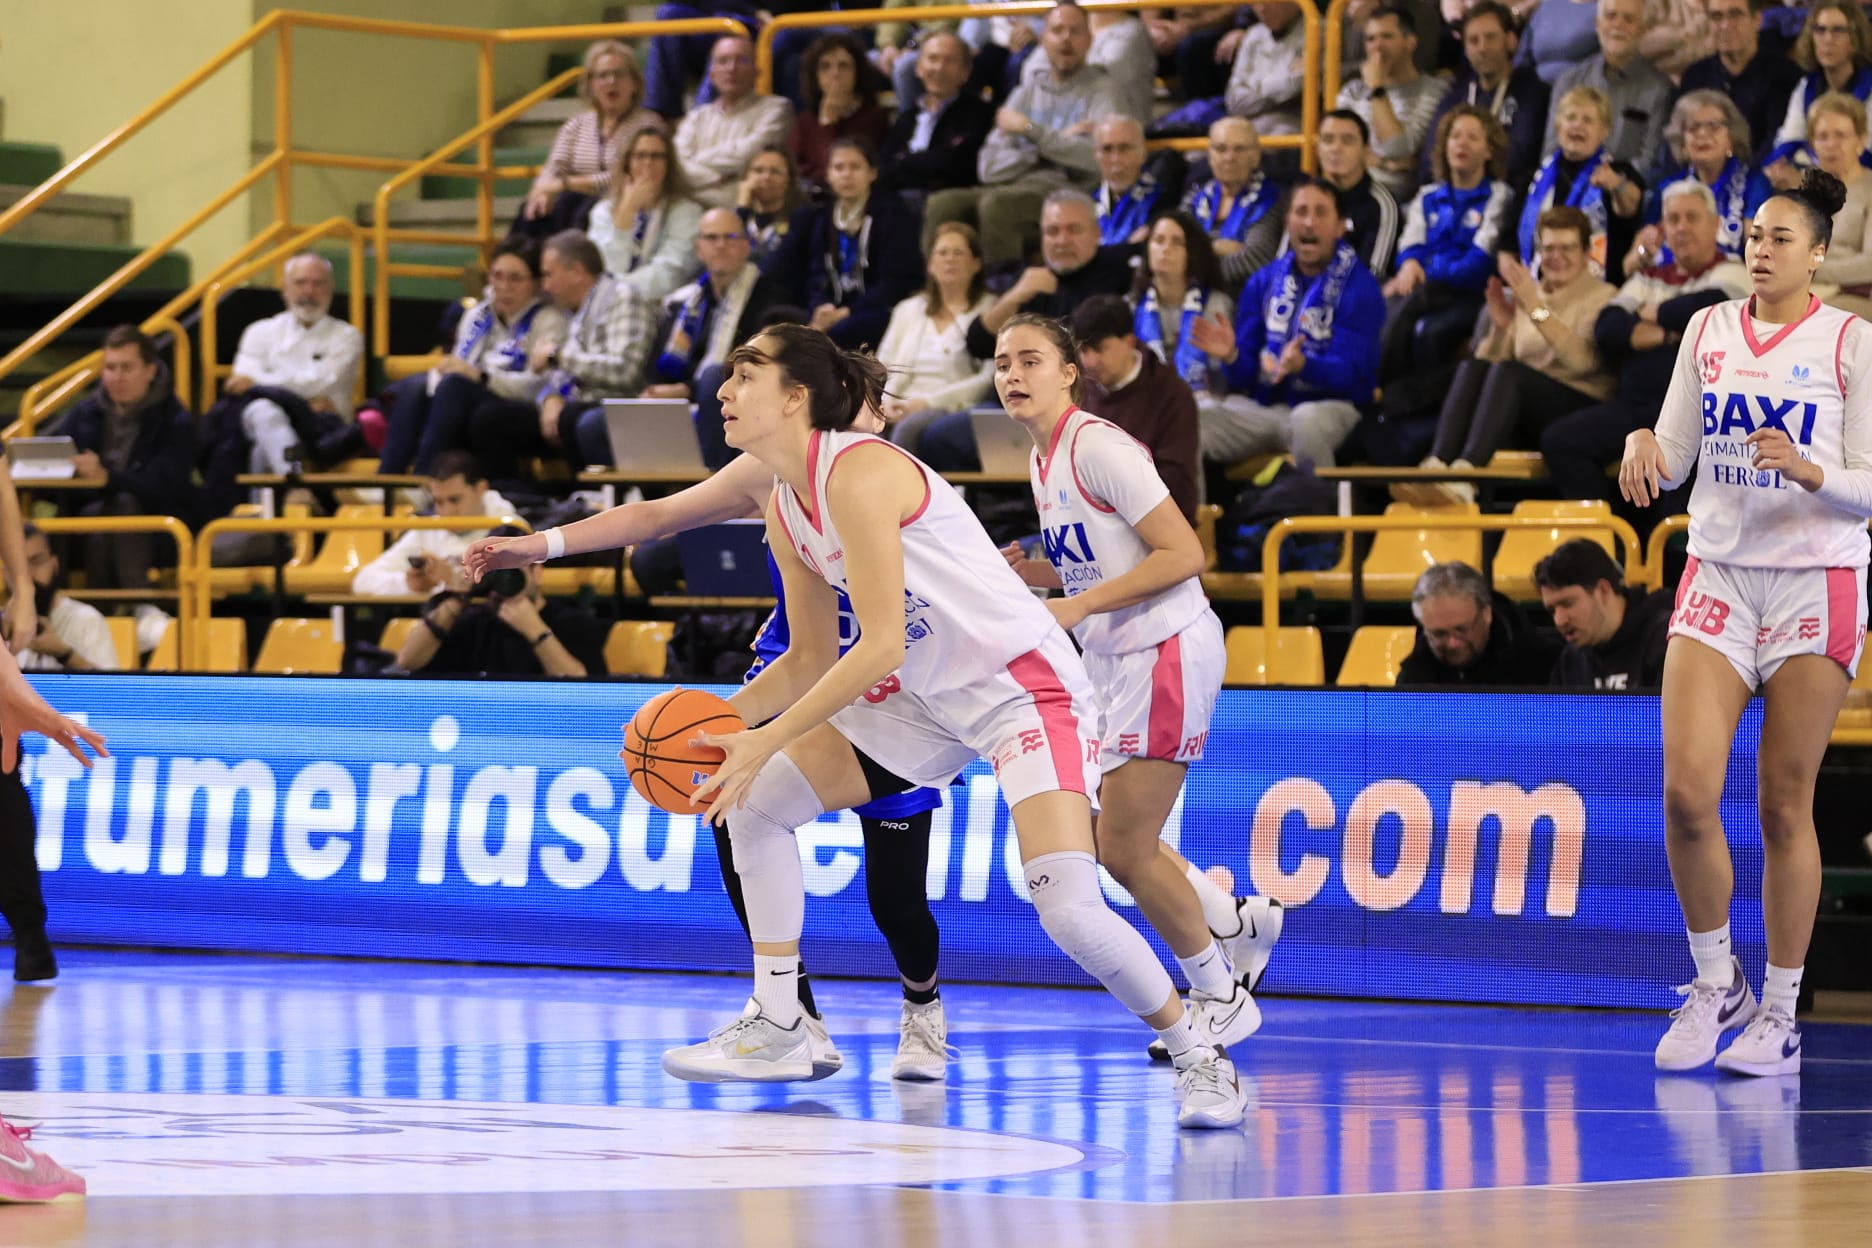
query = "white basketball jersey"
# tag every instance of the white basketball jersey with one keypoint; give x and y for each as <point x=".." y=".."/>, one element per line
<point x="1092" y="487"/>
<point x="1742" y="375"/>
<point x="966" y="613"/>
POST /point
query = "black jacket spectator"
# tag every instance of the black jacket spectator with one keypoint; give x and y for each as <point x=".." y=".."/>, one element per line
<point x="1374" y="223"/>
<point x="1515" y="655"/>
<point x="1633" y="658"/>
<point x="1107" y="273"/>
<point x="888" y="268"/>
<point x="158" y="468"/>
<point x="1521" y="107"/>
<point x="480" y="642"/>
<point x="949" y="160"/>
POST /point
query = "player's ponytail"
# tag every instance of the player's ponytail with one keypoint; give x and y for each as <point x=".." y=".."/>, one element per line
<point x="839" y="384"/>
<point x="1820" y="196"/>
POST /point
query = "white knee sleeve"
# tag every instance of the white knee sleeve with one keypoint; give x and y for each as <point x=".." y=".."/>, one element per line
<point x="766" y="854"/>
<point x="1065" y="891"/>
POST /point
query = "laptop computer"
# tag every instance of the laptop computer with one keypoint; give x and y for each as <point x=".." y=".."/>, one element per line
<point x="726" y="560"/>
<point x="1003" y="444"/>
<point x="653" y="435"/>
<point x="41" y="459"/>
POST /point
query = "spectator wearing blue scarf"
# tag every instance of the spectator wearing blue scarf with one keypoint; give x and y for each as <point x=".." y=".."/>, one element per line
<point x="1706" y="139"/>
<point x="1835" y="48"/>
<point x="1239" y="206"/>
<point x="1128" y="196"/>
<point x="1303" y="359"/>
<point x="1177" y="285"/>
<point x="1449" y="241"/>
<point x="1579" y="173"/>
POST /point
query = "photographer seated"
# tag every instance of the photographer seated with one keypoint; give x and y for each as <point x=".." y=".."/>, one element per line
<point x="428" y="561"/>
<point x="504" y="626"/>
<point x="73" y="636"/>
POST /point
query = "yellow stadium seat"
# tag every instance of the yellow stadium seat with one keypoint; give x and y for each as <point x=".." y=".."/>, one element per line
<point x="227" y="648"/>
<point x="1527" y="465"/>
<point x="1299" y="659"/>
<point x="240" y="580"/>
<point x="1399" y="556"/>
<point x="566" y="582"/>
<point x="639" y="647"/>
<point x="397" y="367"/>
<point x="1246" y="586"/>
<point x="123" y="636"/>
<point x="332" y="570"/>
<point x="300" y="646"/>
<point x="1521" y="549"/>
<point x="1376" y="653"/>
<point x="397" y="631"/>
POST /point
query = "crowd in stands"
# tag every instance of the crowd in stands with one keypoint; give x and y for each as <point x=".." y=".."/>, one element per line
<point x="1516" y="209"/>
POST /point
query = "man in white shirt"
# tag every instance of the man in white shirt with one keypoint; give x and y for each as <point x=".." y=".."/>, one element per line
<point x="73" y="636"/>
<point x="716" y="140"/>
<point x="428" y="561"/>
<point x="303" y="350"/>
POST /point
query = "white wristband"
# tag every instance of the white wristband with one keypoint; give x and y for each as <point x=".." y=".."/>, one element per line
<point x="555" y="543"/>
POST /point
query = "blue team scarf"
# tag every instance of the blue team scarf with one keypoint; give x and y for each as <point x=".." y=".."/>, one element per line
<point x="845" y="262"/>
<point x="1118" y="221"/>
<point x="511" y="355"/>
<point x="637" y="241"/>
<point x="1254" y="203"/>
<point x="1588" y="198"/>
<point x="1191" y="364"/>
<point x="1733" y="206"/>
<point x="673" y="362"/>
<point x="1288" y="306"/>
<point x="1812" y="87"/>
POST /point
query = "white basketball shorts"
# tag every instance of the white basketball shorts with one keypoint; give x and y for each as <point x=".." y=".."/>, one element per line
<point x="1759" y="618"/>
<point x="1156" y="703"/>
<point x="1035" y="720"/>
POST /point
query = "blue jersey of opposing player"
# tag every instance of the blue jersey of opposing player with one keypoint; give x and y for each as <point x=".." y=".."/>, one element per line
<point x="771" y="642"/>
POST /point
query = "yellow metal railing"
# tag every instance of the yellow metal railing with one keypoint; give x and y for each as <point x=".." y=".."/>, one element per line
<point x="1667" y="528"/>
<point x="197" y="576"/>
<point x="1309" y="97"/>
<point x="340" y="227"/>
<point x="1636" y="571"/>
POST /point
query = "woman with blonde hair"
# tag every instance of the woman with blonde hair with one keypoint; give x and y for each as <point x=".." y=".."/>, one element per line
<point x="1836" y="134"/>
<point x="925" y="345"/>
<point x="646" y="227"/>
<point x="580" y="166"/>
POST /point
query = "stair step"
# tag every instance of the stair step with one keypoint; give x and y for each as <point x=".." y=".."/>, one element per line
<point x="429" y="288"/>
<point x="539" y="125"/>
<point x="70" y="217"/>
<point x="443" y="213"/>
<point x="28" y="164"/>
<point x="445" y="186"/>
<point x="38" y="268"/>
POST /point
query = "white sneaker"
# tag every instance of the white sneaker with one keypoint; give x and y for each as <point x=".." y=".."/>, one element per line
<point x="1769" y="1045"/>
<point x="826" y="1059"/>
<point x="748" y="1050"/>
<point x="1224" y="1020"/>
<point x="1250" y="948"/>
<point x="1209" y="1097"/>
<point x="1700" y="1021"/>
<point x="923" y="1050"/>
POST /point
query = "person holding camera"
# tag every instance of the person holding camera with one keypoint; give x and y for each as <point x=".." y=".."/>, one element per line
<point x="428" y="561"/>
<point x="504" y="626"/>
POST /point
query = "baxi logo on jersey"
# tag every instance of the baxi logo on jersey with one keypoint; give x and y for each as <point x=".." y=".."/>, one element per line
<point x="1729" y="419"/>
<point x="1069" y="550"/>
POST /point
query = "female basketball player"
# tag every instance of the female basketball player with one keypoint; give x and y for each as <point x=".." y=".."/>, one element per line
<point x="896" y="828"/>
<point x="1771" y="395"/>
<point x="1119" y="546"/>
<point x="954" y="660"/>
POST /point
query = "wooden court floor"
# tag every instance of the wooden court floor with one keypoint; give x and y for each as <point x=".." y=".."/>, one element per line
<point x="242" y="1101"/>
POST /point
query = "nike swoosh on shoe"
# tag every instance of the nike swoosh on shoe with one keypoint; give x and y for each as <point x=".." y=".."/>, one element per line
<point x="1731" y="1007"/>
<point x="1790" y="1046"/>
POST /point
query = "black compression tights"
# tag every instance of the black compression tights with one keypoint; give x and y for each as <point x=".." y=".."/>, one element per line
<point x="896" y="868"/>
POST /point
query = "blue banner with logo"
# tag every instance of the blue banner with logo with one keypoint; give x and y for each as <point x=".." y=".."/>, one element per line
<point x="1462" y="847"/>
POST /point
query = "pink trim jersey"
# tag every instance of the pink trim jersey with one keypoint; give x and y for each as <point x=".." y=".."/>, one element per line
<point x="967" y="615"/>
<point x="1811" y="379"/>
<point x="1093" y="485"/>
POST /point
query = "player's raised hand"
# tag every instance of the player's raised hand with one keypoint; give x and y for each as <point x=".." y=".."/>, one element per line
<point x="1641" y="472"/>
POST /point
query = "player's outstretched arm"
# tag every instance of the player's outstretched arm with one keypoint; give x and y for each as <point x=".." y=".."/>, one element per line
<point x="23" y="710"/>
<point x="737" y="492"/>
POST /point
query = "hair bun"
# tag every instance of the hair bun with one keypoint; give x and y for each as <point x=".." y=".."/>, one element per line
<point x="1824" y="191"/>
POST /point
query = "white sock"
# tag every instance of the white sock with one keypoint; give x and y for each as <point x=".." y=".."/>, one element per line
<point x="1208" y="972"/>
<point x="1180" y="1038"/>
<point x="1217" y="906"/>
<point x="1781" y="988"/>
<point x="1714" y="963"/>
<point x="776" y="988"/>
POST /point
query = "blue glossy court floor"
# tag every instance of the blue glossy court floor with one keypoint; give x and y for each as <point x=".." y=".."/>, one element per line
<point x="225" y="1100"/>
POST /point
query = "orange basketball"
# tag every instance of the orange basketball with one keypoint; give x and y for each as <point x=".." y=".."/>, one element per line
<point x="663" y="767"/>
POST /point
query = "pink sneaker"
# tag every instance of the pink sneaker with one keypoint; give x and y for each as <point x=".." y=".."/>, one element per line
<point x="29" y="1178"/>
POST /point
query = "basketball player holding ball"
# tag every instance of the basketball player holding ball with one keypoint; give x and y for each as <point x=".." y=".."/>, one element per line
<point x="896" y="828"/>
<point x="954" y="660"/>
<point x="1771" y="401"/>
